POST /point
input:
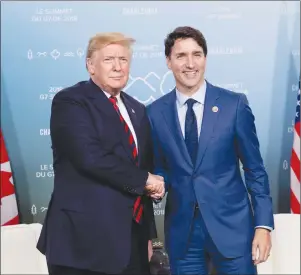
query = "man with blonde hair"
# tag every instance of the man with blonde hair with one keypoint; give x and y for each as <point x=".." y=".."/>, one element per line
<point x="100" y="217"/>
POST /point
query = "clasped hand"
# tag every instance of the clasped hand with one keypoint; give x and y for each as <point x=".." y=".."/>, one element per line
<point x="155" y="186"/>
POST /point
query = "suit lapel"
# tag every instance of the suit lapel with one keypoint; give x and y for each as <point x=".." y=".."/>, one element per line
<point x="210" y="116"/>
<point x="170" y="115"/>
<point x="102" y="103"/>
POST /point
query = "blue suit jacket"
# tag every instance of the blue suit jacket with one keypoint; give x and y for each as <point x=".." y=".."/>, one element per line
<point x="89" y="218"/>
<point x="227" y="136"/>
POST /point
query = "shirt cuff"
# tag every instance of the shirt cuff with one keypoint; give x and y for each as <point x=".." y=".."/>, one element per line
<point x="265" y="227"/>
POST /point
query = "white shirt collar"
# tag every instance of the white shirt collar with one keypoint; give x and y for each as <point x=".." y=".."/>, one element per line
<point x="108" y="96"/>
<point x="199" y="96"/>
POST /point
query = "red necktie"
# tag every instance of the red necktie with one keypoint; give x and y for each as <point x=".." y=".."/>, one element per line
<point x="138" y="206"/>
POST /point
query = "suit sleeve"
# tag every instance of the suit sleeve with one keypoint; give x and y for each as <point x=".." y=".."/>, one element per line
<point x="73" y="133"/>
<point x="159" y="162"/>
<point x="256" y="178"/>
<point x="149" y="202"/>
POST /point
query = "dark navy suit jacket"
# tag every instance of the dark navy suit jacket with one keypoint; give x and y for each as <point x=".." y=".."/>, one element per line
<point x="89" y="218"/>
<point x="228" y="136"/>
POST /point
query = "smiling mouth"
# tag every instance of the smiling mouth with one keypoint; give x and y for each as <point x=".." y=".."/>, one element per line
<point x="190" y="73"/>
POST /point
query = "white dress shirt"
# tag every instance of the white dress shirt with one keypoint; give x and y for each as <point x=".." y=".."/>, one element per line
<point x="198" y="109"/>
<point x="125" y="115"/>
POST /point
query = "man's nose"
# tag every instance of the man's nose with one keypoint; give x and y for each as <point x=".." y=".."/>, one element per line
<point x="189" y="62"/>
<point x="117" y="65"/>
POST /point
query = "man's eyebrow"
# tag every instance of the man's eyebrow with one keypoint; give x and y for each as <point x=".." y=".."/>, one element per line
<point x="112" y="56"/>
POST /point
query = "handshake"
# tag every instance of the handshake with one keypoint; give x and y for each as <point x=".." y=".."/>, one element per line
<point x="155" y="186"/>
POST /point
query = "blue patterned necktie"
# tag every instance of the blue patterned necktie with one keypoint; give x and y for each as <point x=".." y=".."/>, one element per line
<point x="191" y="130"/>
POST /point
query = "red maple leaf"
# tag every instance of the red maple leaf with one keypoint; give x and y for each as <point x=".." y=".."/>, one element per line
<point x="7" y="188"/>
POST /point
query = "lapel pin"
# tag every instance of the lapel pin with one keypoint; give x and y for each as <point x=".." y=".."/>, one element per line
<point x="133" y="111"/>
<point x="214" y="109"/>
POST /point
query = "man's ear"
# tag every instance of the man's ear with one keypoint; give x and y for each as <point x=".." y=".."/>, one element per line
<point x="168" y="62"/>
<point x="90" y="66"/>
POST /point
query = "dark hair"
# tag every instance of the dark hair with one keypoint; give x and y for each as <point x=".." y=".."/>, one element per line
<point x="184" y="33"/>
<point x="159" y="263"/>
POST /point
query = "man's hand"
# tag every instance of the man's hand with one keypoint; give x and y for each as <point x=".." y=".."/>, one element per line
<point x="155" y="186"/>
<point x="261" y="243"/>
<point x="150" y="250"/>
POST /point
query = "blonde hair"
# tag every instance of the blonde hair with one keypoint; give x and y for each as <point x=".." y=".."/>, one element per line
<point x="101" y="40"/>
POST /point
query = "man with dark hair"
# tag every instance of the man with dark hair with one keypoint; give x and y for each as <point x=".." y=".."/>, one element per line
<point x="200" y="134"/>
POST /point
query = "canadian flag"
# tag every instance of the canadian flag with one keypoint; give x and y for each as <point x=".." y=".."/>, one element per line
<point x="9" y="209"/>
